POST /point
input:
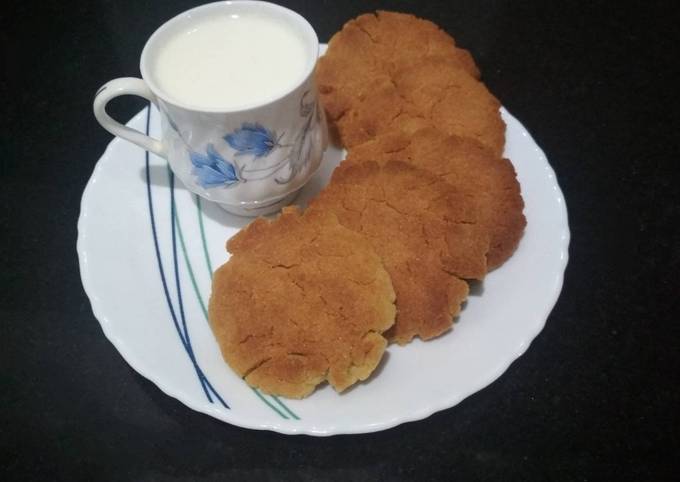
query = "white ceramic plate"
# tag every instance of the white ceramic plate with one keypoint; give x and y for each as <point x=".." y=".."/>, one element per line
<point x="148" y="279"/>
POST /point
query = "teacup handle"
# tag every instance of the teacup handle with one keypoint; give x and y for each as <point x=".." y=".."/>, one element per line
<point x="116" y="88"/>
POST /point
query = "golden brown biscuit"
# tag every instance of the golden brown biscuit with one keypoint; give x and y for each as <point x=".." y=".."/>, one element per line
<point x="453" y="102"/>
<point x="474" y="171"/>
<point x="301" y="300"/>
<point x="369" y="50"/>
<point x="397" y="40"/>
<point x="424" y="231"/>
<point x="385" y="42"/>
<point x="429" y="93"/>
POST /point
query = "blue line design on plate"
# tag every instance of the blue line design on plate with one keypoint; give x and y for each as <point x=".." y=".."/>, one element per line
<point x="184" y="336"/>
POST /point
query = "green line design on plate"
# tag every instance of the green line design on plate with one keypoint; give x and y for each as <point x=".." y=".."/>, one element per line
<point x="206" y="253"/>
<point x="188" y="264"/>
<point x="261" y="397"/>
<point x="199" y="297"/>
<point x="283" y="405"/>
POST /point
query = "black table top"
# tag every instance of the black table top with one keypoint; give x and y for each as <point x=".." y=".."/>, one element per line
<point x="595" y="396"/>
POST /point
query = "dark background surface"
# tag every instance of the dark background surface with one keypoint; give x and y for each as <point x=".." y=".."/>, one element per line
<point x="595" y="397"/>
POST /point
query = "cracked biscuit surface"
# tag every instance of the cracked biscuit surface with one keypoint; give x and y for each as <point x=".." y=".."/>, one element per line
<point x="451" y="101"/>
<point x="301" y="300"/>
<point x="425" y="232"/>
<point x="392" y="70"/>
<point x="473" y="169"/>
<point x="428" y="94"/>
<point x="378" y="45"/>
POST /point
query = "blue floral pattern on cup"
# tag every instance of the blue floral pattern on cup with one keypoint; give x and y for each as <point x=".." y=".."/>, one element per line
<point x="252" y="142"/>
<point x="212" y="169"/>
<point x="253" y="138"/>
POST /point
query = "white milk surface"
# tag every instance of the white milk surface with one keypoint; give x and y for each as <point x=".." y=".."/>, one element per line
<point x="228" y="62"/>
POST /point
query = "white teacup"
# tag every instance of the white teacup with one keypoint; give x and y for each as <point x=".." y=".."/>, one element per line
<point x="234" y="83"/>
